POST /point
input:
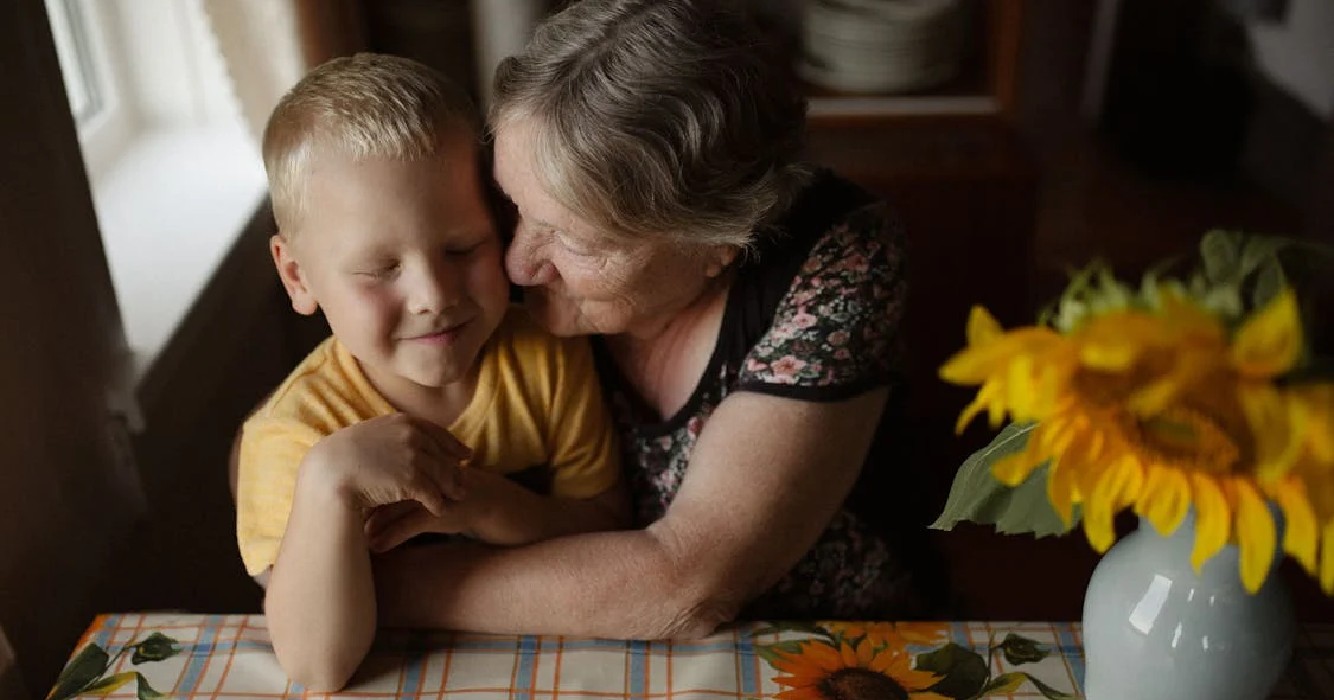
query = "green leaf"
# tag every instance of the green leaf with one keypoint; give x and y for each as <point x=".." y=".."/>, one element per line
<point x="1220" y="251"/>
<point x="82" y="670"/>
<point x="977" y="496"/>
<point x="110" y="684"/>
<point x="1022" y="650"/>
<point x="780" y="627"/>
<point x="155" y="647"/>
<point x="1004" y="683"/>
<point x="773" y="652"/>
<point x="963" y="672"/>
<point x="1268" y="283"/>
<point x="1048" y="691"/>
<point x="146" y="691"/>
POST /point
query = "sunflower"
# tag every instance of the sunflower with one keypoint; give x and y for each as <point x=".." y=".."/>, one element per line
<point x="893" y="635"/>
<point x="1307" y="494"/>
<point x="1159" y="408"/>
<point x="820" y="671"/>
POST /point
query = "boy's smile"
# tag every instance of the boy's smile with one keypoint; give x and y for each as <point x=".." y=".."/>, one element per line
<point x="403" y="258"/>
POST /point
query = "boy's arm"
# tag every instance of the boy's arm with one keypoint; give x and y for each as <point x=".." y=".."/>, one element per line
<point x="320" y="598"/>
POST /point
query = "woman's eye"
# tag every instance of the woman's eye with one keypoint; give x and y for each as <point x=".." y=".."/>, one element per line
<point x="461" y="251"/>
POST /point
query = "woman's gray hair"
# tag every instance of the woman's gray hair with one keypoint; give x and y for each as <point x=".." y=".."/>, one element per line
<point x="667" y="118"/>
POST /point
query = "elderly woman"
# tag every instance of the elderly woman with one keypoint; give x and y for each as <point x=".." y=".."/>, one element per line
<point x="746" y="310"/>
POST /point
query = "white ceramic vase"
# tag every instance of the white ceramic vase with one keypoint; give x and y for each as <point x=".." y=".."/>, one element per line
<point x="1154" y="629"/>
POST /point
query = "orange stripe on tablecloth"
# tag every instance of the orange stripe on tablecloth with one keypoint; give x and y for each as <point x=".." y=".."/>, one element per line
<point x="134" y="635"/>
<point x="670" y="648"/>
<point x="208" y="660"/>
<point x="625" y="677"/>
<point x="736" y="641"/>
<point x="560" y="651"/>
<point x="402" y="670"/>
<point x="514" y="670"/>
<point x="231" y="656"/>
<point x="449" y="660"/>
<point x="88" y="633"/>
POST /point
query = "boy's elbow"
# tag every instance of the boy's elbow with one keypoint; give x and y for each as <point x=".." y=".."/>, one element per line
<point x="320" y="675"/>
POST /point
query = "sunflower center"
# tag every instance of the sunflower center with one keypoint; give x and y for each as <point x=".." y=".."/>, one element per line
<point x="1189" y="439"/>
<point x="861" y="684"/>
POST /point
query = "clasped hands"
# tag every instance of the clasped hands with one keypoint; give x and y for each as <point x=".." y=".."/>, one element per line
<point x="406" y="477"/>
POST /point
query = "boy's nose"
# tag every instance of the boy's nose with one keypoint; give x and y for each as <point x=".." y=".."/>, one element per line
<point x="524" y="264"/>
<point x="433" y="291"/>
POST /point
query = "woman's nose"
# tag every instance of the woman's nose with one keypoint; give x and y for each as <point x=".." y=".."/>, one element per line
<point x="524" y="263"/>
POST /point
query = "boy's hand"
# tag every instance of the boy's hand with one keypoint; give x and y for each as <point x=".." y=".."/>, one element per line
<point x="391" y="459"/>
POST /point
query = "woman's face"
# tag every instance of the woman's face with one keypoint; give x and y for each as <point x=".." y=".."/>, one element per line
<point x="581" y="280"/>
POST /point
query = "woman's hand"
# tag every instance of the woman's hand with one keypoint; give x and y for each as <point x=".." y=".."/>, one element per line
<point x="498" y="511"/>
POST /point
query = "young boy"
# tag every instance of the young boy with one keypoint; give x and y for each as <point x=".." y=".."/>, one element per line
<point x="373" y="172"/>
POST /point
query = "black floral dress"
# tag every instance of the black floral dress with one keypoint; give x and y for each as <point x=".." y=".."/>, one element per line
<point x="813" y="314"/>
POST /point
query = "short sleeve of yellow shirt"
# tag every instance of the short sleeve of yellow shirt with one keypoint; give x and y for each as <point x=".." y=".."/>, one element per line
<point x="538" y="404"/>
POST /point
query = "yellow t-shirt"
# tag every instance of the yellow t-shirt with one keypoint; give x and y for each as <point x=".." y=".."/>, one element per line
<point x="537" y="403"/>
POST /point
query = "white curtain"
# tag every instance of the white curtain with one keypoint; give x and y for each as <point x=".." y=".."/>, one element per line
<point x="260" y="46"/>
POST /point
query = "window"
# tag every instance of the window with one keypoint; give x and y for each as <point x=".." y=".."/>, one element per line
<point x="76" y="60"/>
<point x="174" y="167"/>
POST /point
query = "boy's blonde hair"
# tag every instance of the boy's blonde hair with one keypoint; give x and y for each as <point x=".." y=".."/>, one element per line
<point x="363" y="106"/>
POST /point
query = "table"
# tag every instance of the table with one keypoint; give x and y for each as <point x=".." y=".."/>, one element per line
<point x="229" y="656"/>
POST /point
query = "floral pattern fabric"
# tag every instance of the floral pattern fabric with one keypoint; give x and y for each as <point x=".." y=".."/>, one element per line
<point x="832" y="334"/>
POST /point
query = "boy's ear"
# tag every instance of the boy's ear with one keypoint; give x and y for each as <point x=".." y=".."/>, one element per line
<point x="294" y="280"/>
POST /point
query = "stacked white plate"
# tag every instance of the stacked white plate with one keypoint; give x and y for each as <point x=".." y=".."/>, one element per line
<point x="882" y="46"/>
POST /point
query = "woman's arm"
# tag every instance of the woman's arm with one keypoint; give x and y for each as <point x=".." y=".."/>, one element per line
<point x="766" y="477"/>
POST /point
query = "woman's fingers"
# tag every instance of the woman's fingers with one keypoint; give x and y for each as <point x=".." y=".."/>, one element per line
<point x="428" y="492"/>
<point x="448" y="444"/>
<point x="399" y="530"/>
<point x="382" y="516"/>
<point x="447" y="452"/>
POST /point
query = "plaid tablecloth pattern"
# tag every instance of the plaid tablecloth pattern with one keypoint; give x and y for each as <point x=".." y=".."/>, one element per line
<point x="229" y="656"/>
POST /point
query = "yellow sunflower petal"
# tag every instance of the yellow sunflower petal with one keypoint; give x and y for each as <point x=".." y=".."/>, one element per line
<point x="1316" y="404"/>
<point x="1014" y="469"/>
<point x="1108" y="496"/>
<point x="1300" y="537"/>
<point x="799" y="694"/>
<point x="1269" y="414"/>
<point x="1327" y="558"/>
<point x="1213" y="519"/>
<point x="1022" y="395"/>
<point x="970" y="412"/>
<point x="982" y="326"/>
<point x="1061" y="491"/>
<point x="1270" y="341"/>
<point x="1256" y="536"/>
<point x="899" y="667"/>
<point x="1166" y="499"/>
